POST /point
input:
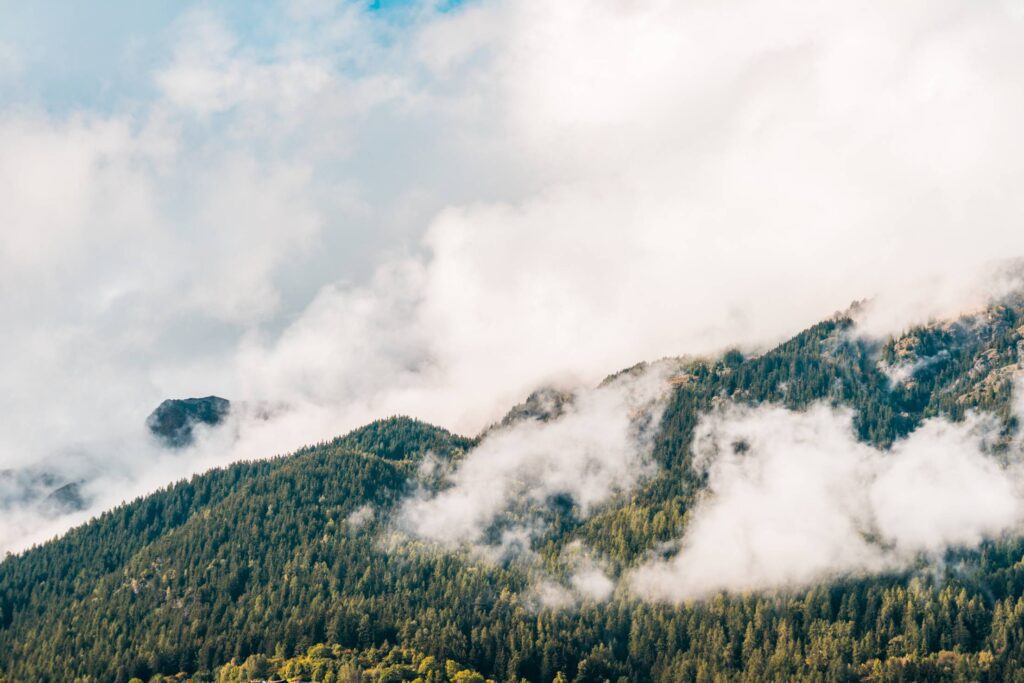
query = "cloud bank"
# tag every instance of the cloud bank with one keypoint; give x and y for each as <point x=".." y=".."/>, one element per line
<point x="496" y="497"/>
<point x="349" y="213"/>
<point x="794" y="498"/>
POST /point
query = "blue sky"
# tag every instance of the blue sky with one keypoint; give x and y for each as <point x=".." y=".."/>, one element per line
<point x="78" y="54"/>
<point x="100" y="54"/>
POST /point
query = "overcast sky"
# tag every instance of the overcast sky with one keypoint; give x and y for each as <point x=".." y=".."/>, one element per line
<point x="353" y="210"/>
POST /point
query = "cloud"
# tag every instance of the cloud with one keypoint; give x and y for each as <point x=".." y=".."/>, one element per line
<point x="589" y="579"/>
<point x="496" y="497"/>
<point x="583" y="579"/>
<point x="694" y="185"/>
<point x="104" y="477"/>
<point x="794" y="498"/>
<point x="589" y="583"/>
<point x="360" y="517"/>
<point x="353" y="213"/>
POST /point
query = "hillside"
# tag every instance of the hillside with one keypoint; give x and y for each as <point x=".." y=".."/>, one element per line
<point x="296" y="559"/>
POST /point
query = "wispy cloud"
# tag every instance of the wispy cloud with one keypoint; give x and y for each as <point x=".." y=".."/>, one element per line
<point x="496" y="497"/>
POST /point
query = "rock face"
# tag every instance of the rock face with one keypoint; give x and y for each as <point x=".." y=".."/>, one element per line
<point x="174" y="420"/>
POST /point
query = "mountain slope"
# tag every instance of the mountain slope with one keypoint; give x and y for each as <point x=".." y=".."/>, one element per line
<point x="280" y="555"/>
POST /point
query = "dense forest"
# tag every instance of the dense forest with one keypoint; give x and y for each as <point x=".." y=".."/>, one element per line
<point x="283" y="567"/>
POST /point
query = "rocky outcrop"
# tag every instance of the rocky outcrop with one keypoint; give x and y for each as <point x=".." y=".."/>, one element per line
<point x="174" y="420"/>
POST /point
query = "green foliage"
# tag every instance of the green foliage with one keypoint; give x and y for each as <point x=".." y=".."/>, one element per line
<point x="253" y="570"/>
<point x="326" y="664"/>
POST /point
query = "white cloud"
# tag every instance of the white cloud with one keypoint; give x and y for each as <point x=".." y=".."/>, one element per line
<point x="84" y="161"/>
<point x="434" y="215"/>
<point x="598" y="447"/>
<point x="701" y="183"/>
<point x="360" y="516"/>
<point x="585" y="580"/>
<point x="592" y="583"/>
<point x="588" y="584"/>
<point x="793" y="498"/>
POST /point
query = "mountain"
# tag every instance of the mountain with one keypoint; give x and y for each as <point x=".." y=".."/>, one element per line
<point x="67" y="498"/>
<point x="296" y="566"/>
<point x="42" y="489"/>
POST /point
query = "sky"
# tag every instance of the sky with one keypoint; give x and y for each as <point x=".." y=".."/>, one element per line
<point x="331" y="212"/>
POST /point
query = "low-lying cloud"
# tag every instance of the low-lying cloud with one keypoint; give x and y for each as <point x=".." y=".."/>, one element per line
<point x="599" y="446"/>
<point x="586" y="580"/>
<point x="102" y="476"/>
<point x="794" y="498"/>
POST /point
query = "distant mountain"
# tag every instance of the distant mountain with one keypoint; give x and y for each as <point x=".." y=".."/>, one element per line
<point x="293" y="566"/>
<point x="39" y="488"/>
<point x="174" y="420"/>
<point x="67" y="498"/>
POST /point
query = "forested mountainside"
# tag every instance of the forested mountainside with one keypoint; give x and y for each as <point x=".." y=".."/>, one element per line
<point x="290" y="567"/>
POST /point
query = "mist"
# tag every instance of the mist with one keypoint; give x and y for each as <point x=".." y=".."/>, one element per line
<point x="349" y="213"/>
<point x="794" y="498"/>
<point x="593" y="448"/>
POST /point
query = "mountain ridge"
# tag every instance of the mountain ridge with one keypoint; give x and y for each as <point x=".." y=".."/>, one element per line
<point x="261" y="556"/>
